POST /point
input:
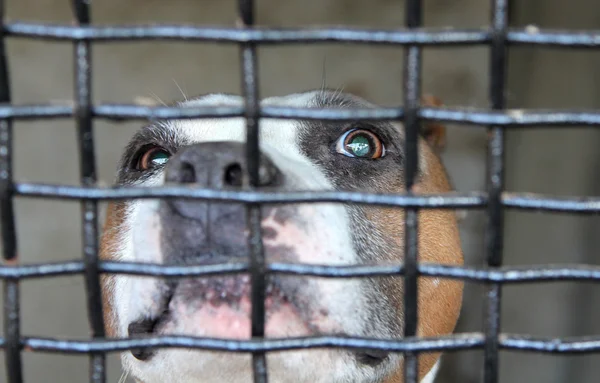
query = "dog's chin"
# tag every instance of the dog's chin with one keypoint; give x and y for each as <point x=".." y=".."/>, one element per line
<point x="220" y="307"/>
<point x="301" y="366"/>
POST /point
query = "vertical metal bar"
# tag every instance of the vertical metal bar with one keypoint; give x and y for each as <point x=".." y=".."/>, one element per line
<point x="12" y="309"/>
<point x="83" y="115"/>
<point x="9" y="235"/>
<point x="12" y="331"/>
<point x="412" y="95"/>
<point x="257" y="260"/>
<point x="495" y="185"/>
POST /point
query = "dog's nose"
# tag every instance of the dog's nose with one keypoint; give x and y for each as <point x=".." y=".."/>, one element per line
<point x="195" y="226"/>
<point x="218" y="165"/>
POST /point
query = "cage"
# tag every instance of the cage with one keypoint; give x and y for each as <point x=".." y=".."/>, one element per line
<point x="503" y="69"/>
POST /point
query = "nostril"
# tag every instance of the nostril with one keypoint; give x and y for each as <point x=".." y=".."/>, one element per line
<point x="233" y="175"/>
<point x="187" y="173"/>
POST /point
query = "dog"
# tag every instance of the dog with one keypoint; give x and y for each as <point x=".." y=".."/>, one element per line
<point x="294" y="156"/>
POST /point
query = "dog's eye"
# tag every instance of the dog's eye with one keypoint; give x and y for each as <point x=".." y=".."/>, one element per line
<point x="152" y="157"/>
<point x="360" y="143"/>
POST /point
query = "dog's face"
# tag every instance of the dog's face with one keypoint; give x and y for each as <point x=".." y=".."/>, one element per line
<point x="295" y="156"/>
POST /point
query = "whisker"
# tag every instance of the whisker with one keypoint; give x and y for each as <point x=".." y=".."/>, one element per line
<point x="123" y="377"/>
<point x="158" y="99"/>
<point x="181" y="90"/>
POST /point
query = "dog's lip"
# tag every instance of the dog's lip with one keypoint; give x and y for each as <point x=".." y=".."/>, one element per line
<point x="147" y="326"/>
<point x="371" y="358"/>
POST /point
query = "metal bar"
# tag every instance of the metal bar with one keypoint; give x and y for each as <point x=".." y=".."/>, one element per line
<point x="12" y="331"/>
<point x="446" y="200"/>
<point x="412" y="95"/>
<point x="445" y="37"/>
<point x="250" y="91"/>
<point x="445" y="343"/>
<point x="247" y="34"/>
<point x="495" y="186"/>
<point x="503" y="275"/>
<point x="536" y="202"/>
<point x="509" y="118"/>
<point x="89" y="208"/>
<point x="9" y="235"/>
<point x="11" y="290"/>
<point x="449" y="343"/>
<point x="535" y="36"/>
<point x="471" y="200"/>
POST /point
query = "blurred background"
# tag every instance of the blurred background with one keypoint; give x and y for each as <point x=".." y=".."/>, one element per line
<point x="553" y="161"/>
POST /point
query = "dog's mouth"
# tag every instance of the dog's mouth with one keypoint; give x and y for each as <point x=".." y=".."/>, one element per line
<point x="232" y="293"/>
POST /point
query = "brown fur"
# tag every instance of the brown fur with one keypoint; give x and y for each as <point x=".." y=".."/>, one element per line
<point x="439" y="242"/>
<point x="115" y="214"/>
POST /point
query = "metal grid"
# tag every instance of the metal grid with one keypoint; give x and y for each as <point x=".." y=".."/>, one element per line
<point x="413" y="37"/>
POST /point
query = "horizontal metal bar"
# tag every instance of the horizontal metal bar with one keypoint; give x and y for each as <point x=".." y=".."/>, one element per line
<point x="531" y="201"/>
<point x="512" y="118"/>
<point x="134" y="268"/>
<point x="419" y="36"/>
<point x="468" y="116"/>
<point x="456" y="342"/>
<point x="574" y="345"/>
<point x="514" y="275"/>
<point x="446" y="36"/>
<point x="504" y="275"/>
<point x="32" y="112"/>
<point x="471" y="200"/>
<point x="533" y="35"/>
<point x="132" y="111"/>
<point x="447" y="200"/>
<point x="448" y="343"/>
<point x="42" y="270"/>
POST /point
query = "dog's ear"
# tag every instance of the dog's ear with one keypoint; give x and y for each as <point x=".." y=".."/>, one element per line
<point x="433" y="132"/>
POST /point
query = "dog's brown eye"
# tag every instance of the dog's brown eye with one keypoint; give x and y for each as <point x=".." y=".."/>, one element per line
<point x="360" y="143"/>
<point x="152" y="157"/>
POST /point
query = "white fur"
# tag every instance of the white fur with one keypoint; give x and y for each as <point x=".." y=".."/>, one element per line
<point x="136" y="296"/>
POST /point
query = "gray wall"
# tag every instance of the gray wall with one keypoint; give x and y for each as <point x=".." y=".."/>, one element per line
<point x="549" y="161"/>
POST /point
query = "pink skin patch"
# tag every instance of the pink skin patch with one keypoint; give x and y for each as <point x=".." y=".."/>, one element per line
<point x="310" y="243"/>
<point x="230" y="322"/>
<point x="221" y="307"/>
